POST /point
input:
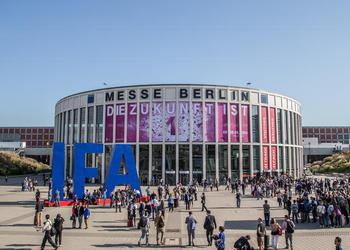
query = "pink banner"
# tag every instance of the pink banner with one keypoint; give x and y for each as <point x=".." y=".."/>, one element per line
<point x="234" y="122"/>
<point x="109" y="123"/>
<point x="170" y="121"/>
<point x="222" y="122"/>
<point x="157" y="121"/>
<point x="210" y="122"/>
<point x="273" y="125"/>
<point x="274" y="157"/>
<point x="264" y="125"/>
<point x="132" y="117"/>
<point x="265" y="157"/>
<point x="245" y="122"/>
<point x="144" y="122"/>
<point x="119" y="122"/>
<point x="197" y="122"/>
<point x="184" y="121"/>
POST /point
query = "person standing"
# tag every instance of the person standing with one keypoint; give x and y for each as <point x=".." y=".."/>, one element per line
<point x="144" y="226"/>
<point x="46" y="229"/>
<point x="159" y="223"/>
<point x="57" y="198"/>
<point x="74" y="216"/>
<point x="266" y="207"/>
<point x="58" y="224"/>
<point x="38" y="213"/>
<point x="87" y="215"/>
<point x="220" y="243"/>
<point x="171" y="203"/>
<point x="191" y="228"/>
<point x="276" y="232"/>
<point x="288" y="227"/>
<point x="209" y="226"/>
<point x="260" y="234"/>
<point x="295" y="210"/>
<point x="80" y="214"/>
<point x="6" y="179"/>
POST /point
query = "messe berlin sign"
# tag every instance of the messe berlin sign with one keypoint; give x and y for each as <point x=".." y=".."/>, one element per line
<point x="81" y="171"/>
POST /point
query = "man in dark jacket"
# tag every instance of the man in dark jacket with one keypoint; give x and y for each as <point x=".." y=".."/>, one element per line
<point x="81" y="210"/>
<point x="209" y="226"/>
<point x="58" y="224"/>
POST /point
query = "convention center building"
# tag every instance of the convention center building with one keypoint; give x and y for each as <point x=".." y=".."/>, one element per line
<point x="185" y="132"/>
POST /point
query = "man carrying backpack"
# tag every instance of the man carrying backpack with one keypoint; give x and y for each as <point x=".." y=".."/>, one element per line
<point x="288" y="227"/>
<point x="144" y="226"/>
<point x="48" y="231"/>
<point x="209" y="225"/>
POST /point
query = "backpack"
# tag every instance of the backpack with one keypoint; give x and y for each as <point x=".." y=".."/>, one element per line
<point x="143" y="222"/>
<point x="290" y="228"/>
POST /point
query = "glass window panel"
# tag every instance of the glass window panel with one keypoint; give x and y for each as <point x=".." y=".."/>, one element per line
<point x="90" y="121"/>
<point x="156" y="164"/>
<point x="170" y="164"/>
<point x="255" y="123"/>
<point x="279" y="126"/>
<point x="246" y="161"/>
<point x="82" y="124"/>
<point x="144" y="164"/>
<point x="69" y="130"/>
<point x="234" y="162"/>
<point x="99" y="124"/>
<point x="197" y="163"/>
<point x="184" y="164"/>
<point x="223" y="164"/>
<point x="256" y="159"/>
<point x="280" y="159"/>
<point x="75" y="125"/>
<point x="210" y="163"/>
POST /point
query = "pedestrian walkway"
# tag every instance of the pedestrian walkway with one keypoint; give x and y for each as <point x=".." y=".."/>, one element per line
<point x="108" y="229"/>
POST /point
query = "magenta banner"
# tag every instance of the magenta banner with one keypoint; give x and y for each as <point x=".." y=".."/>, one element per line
<point x="273" y="125"/>
<point x="245" y="122"/>
<point x="157" y="121"/>
<point x="184" y="121"/>
<point x="119" y="122"/>
<point x="144" y="122"/>
<point x="234" y="122"/>
<point x="264" y="125"/>
<point x="109" y="123"/>
<point x="197" y="121"/>
<point x="210" y="122"/>
<point x="132" y="117"/>
<point x="222" y="122"/>
<point x="170" y="121"/>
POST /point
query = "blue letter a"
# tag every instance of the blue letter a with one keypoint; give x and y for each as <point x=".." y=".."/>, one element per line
<point x="113" y="177"/>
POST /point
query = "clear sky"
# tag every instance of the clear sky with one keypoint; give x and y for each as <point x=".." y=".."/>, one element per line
<point x="50" y="49"/>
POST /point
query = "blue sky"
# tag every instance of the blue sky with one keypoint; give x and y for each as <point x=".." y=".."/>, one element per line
<point x="52" y="49"/>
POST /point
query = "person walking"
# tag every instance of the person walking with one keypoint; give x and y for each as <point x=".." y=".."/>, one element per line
<point x="171" y="203"/>
<point x="58" y="224"/>
<point x="337" y="243"/>
<point x="87" y="215"/>
<point x="288" y="227"/>
<point x="220" y="243"/>
<point x="209" y="226"/>
<point x="159" y="223"/>
<point x="238" y="199"/>
<point x="260" y="234"/>
<point x="75" y="214"/>
<point x="295" y="210"/>
<point x="266" y="207"/>
<point x="191" y="228"/>
<point x="203" y="201"/>
<point x="276" y="232"/>
<point x="144" y="226"/>
<point x="47" y="229"/>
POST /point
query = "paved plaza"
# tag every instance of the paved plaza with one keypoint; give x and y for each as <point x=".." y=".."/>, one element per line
<point x="108" y="229"/>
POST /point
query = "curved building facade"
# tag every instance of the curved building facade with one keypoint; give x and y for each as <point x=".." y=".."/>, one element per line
<point x="185" y="132"/>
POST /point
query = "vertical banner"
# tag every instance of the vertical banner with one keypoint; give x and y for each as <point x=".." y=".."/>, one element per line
<point x="210" y="122"/>
<point x="265" y="157"/>
<point x="170" y="121"/>
<point x="245" y="123"/>
<point x="184" y="121"/>
<point x="144" y="122"/>
<point x="264" y="125"/>
<point x="273" y="157"/>
<point x="234" y="122"/>
<point x="132" y="117"/>
<point x="119" y="122"/>
<point x="222" y="122"/>
<point x="157" y="121"/>
<point x="273" y="130"/>
<point x="109" y="117"/>
<point x="197" y="122"/>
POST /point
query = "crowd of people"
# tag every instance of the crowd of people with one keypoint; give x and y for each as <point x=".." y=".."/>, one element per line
<point x="305" y="200"/>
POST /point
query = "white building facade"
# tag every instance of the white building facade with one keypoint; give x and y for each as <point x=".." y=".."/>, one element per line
<point x="185" y="132"/>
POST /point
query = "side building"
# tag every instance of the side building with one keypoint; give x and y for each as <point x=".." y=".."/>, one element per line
<point x="185" y="132"/>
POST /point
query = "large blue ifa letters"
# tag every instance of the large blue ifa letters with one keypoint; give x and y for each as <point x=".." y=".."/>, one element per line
<point x="81" y="171"/>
